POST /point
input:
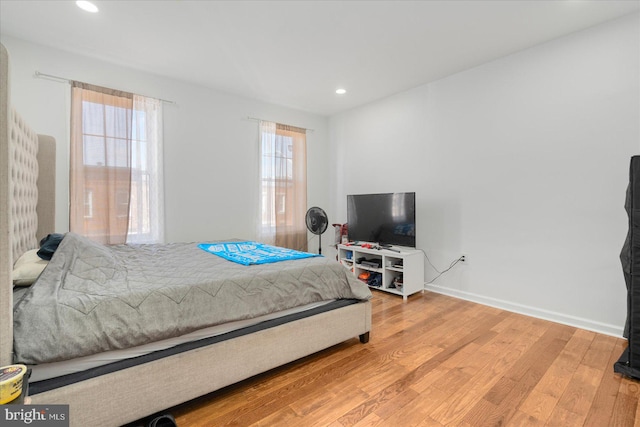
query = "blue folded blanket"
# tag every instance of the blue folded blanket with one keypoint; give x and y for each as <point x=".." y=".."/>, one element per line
<point x="248" y="253"/>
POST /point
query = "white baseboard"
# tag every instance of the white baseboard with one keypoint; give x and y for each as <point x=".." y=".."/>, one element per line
<point x="577" y="322"/>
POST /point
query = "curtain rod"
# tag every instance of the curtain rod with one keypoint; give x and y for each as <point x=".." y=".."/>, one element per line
<point x="263" y="120"/>
<point x="40" y="75"/>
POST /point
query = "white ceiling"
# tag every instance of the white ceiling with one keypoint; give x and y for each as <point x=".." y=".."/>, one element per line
<point x="296" y="53"/>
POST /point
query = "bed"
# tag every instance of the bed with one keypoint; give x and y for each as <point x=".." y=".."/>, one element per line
<point x="135" y="387"/>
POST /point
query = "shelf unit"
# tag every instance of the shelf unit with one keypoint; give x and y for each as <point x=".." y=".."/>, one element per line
<point x="402" y="272"/>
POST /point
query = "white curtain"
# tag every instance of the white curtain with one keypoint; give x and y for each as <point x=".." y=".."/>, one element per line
<point x="146" y="209"/>
<point x="266" y="212"/>
<point x="283" y="186"/>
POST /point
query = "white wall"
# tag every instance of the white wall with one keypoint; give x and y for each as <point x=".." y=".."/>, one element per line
<point x="210" y="147"/>
<point x="522" y="165"/>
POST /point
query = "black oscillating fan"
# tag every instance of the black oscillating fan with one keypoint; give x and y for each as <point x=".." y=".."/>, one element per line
<point x="317" y="222"/>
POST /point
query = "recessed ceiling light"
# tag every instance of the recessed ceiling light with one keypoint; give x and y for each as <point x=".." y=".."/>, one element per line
<point x="341" y="91"/>
<point x="87" y="5"/>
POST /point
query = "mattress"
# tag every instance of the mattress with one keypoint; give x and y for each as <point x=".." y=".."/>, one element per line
<point x="113" y="367"/>
<point x="67" y="367"/>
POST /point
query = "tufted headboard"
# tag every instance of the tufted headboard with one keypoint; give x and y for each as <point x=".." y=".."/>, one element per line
<point x="23" y="164"/>
<point x="27" y="198"/>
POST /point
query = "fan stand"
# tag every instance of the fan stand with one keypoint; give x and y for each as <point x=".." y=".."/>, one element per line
<point x="316" y="222"/>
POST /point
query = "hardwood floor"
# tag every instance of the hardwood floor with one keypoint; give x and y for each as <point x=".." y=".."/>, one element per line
<point x="438" y="361"/>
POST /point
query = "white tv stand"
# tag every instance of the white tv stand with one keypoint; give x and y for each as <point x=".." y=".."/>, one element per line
<point x="402" y="272"/>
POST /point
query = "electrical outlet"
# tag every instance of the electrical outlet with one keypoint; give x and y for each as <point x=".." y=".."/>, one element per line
<point x="464" y="258"/>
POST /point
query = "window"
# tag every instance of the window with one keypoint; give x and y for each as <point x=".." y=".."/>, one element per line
<point x="88" y="203"/>
<point x="122" y="203"/>
<point x="283" y="186"/>
<point x="115" y="166"/>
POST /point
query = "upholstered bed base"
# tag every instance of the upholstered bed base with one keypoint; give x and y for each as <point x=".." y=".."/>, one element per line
<point x="6" y="245"/>
<point x="133" y="393"/>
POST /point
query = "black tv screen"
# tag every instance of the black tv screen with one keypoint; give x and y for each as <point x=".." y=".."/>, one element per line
<point x="386" y="219"/>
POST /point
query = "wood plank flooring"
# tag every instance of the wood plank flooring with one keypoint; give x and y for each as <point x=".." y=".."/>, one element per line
<point x="438" y="361"/>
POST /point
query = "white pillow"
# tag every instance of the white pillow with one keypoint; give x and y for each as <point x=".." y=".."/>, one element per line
<point x="27" y="268"/>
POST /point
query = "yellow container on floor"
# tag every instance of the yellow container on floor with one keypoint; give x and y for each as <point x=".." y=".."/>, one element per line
<point x="11" y="382"/>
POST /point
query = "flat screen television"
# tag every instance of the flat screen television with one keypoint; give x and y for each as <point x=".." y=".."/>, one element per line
<point x="386" y="219"/>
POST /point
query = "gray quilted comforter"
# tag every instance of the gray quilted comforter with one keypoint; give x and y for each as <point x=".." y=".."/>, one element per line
<point x="93" y="298"/>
